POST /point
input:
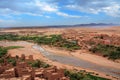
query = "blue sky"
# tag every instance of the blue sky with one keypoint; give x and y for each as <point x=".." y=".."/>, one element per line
<point x="58" y="12"/>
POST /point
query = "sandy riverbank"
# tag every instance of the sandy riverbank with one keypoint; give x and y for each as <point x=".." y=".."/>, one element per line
<point x="85" y="55"/>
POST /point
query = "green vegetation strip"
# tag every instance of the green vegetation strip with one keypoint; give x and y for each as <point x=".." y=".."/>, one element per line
<point x="54" y="40"/>
<point x="4" y="50"/>
<point x="38" y="64"/>
<point x="110" y="51"/>
<point x="82" y="75"/>
<point x="13" y="47"/>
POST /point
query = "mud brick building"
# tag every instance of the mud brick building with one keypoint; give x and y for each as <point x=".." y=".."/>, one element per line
<point x="87" y="39"/>
<point x="23" y="71"/>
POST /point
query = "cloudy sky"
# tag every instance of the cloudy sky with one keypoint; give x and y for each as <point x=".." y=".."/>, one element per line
<point x="58" y="12"/>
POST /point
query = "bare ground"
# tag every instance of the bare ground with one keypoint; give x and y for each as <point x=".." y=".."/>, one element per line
<point x="85" y="55"/>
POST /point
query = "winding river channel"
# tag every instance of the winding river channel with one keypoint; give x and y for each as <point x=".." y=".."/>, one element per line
<point x="78" y="62"/>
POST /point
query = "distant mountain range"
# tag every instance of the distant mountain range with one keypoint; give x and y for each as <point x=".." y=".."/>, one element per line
<point x="67" y="26"/>
<point x="95" y="24"/>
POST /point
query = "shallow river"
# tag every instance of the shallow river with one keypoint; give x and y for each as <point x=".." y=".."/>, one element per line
<point x="78" y="62"/>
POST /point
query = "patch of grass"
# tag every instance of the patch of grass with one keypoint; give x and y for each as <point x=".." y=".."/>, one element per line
<point x="12" y="61"/>
<point x="92" y="77"/>
<point x="13" y="47"/>
<point x="39" y="64"/>
<point x="110" y="51"/>
<point x="58" y="41"/>
<point x="82" y="76"/>
<point x="1" y="60"/>
<point x="9" y="37"/>
<point x="3" y="51"/>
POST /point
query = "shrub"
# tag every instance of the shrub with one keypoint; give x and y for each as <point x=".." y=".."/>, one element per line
<point x="110" y="51"/>
<point x="13" y="47"/>
<point x="9" y="37"/>
<point x="57" y="40"/>
<point x="114" y="55"/>
<point x="38" y="64"/>
<point x="1" y="60"/>
<point x="3" y="51"/>
<point x="12" y="60"/>
<point x="81" y="76"/>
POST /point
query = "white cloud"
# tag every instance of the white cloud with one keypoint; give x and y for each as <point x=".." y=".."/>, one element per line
<point x="67" y="15"/>
<point x="111" y="8"/>
<point x="33" y="8"/>
<point x="82" y="9"/>
<point x="52" y="8"/>
<point x="43" y="7"/>
<point x="46" y="6"/>
<point x="33" y="14"/>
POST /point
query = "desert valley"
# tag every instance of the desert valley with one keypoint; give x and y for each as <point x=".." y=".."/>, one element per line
<point x="59" y="39"/>
<point x="80" y="53"/>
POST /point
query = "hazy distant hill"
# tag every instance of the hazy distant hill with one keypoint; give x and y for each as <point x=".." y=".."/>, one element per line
<point x="61" y="26"/>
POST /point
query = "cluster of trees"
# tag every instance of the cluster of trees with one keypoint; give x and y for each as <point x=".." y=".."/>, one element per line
<point x="55" y="40"/>
<point x="110" y="51"/>
<point x="81" y="76"/>
<point x="3" y="51"/>
<point x="8" y="37"/>
<point x="16" y="37"/>
<point x="12" y="61"/>
<point x="115" y="54"/>
<point x="39" y="64"/>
